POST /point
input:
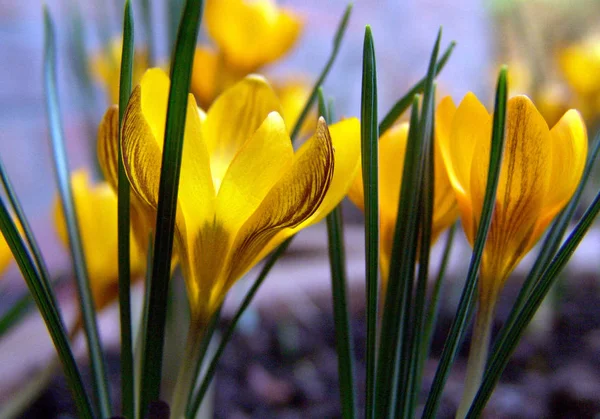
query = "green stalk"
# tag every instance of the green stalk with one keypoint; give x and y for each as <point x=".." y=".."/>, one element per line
<point x="405" y="101"/>
<point x="186" y="377"/>
<point x="478" y="354"/>
<point x="337" y="42"/>
<point x="167" y="201"/>
<point x="462" y="312"/>
<point x="370" y="164"/>
<point x="196" y="400"/>
<point x="88" y="311"/>
<point x="49" y="311"/>
<point x="208" y="335"/>
<point x="502" y="353"/>
<point x="343" y="332"/>
<point x="123" y="227"/>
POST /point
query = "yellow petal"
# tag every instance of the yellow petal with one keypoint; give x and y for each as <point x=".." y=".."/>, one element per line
<point x="569" y="153"/>
<point x="251" y="34"/>
<point x="345" y="137"/>
<point x="108" y="145"/>
<point x="258" y="165"/>
<point x="96" y="207"/>
<point x="445" y="207"/>
<point x="142" y="142"/>
<point x="524" y="180"/>
<point x="232" y="120"/>
<point x="294" y="198"/>
<point x="471" y="125"/>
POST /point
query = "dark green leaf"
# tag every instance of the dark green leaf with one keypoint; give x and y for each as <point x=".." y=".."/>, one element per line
<point x="181" y="71"/>
<point x="370" y="164"/>
<point x="123" y="227"/>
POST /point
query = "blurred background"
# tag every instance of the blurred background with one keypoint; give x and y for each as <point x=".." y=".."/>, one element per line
<point x="556" y="371"/>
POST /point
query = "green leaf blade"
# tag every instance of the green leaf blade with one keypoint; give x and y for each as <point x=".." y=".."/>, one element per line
<point x="370" y="164"/>
<point x="181" y="70"/>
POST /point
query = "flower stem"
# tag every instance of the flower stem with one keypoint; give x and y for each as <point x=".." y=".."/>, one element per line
<point x="478" y="354"/>
<point x="187" y="371"/>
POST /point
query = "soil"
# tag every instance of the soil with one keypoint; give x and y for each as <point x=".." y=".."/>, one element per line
<point x="280" y="366"/>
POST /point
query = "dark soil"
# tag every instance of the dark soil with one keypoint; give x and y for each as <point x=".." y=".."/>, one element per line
<point x="283" y="367"/>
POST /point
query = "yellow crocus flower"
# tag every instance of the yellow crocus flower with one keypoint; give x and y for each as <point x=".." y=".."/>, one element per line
<point x="580" y="66"/>
<point x="243" y="190"/>
<point x="105" y="67"/>
<point x="251" y="34"/>
<point x="540" y="171"/>
<point x="96" y="207"/>
<point x="392" y="148"/>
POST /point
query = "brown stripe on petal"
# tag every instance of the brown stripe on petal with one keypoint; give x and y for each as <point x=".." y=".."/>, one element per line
<point x="141" y="151"/>
<point x="524" y="182"/>
<point x="108" y="145"/>
<point x="291" y="201"/>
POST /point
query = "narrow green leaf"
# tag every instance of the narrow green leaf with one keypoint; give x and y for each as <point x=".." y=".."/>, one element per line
<point x="167" y="201"/>
<point x="401" y="273"/>
<point x="61" y="169"/>
<point x="15" y="313"/>
<point x="462" y="314"/>
<point x="212" y="366"/>
<point x="49" y="311"/>
<point x="343" y="332"/>
<point x="337" y="42"/>
<point x="502" y="353"/>
<point x="406" y="382"/>
<point x="123" y="227"/>
<point x="405" y="101"/>
<point x="370" y="164"/>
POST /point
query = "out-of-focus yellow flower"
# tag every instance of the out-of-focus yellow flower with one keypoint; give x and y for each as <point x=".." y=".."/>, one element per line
<point x="5" y="255"/>
<point x="96" y="207"/>
<point x="540" y="172"/>
<point x="392" y="148"/>
<point x="105" y="66"/>
<point x="580" y="66"/>
<point x="243" y="190"/>
<point x="250" y="34"/>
